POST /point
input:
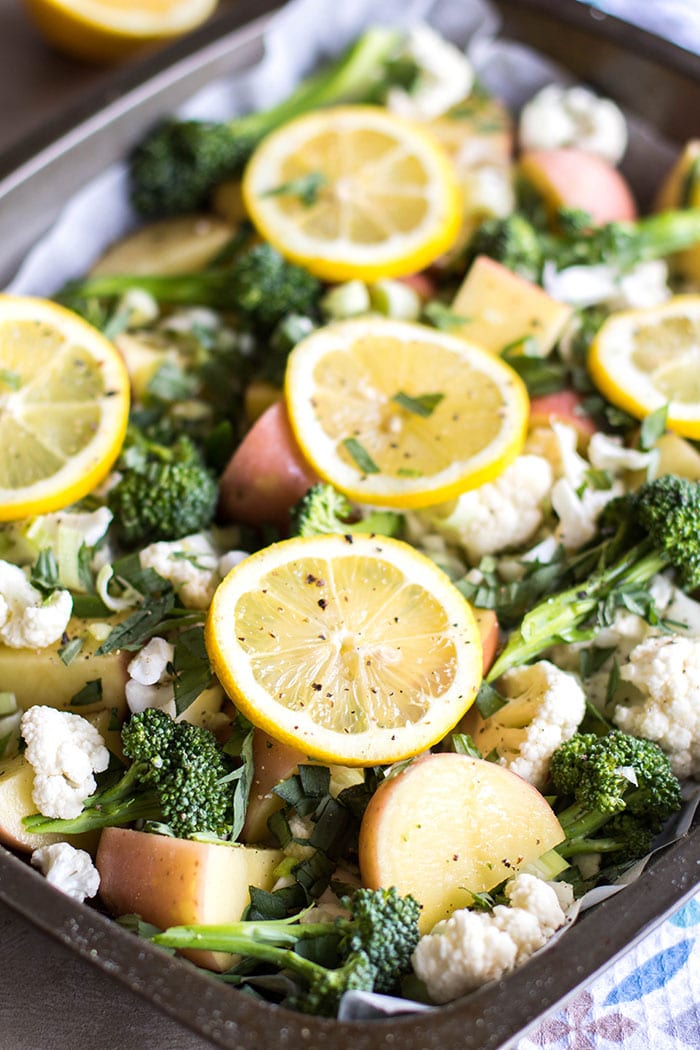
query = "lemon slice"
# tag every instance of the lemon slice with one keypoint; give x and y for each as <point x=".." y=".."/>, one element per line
<point x="354" y="191"/>
<point x="403" y="415"/>
<point x="644" y="359"/>
<point x="354" y="649"/>
<point x="64" y="406"/>
<point x="107" y="30"/>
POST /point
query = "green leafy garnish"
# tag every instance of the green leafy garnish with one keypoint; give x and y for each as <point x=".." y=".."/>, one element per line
<point x="91" y="693"/>
<point x="424" y="405"/>
<point x="361" y="456"/>
<point x="306" y="188"/>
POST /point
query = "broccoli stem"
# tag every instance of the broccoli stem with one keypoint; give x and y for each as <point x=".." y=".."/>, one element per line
<point x="552" y="619"/>
<point x="209" y="288"/>
<point x="666" y="233"/>
<point x="354" y="77"/>
<point x="119" y="804"/>
<point x="326" y="985"/>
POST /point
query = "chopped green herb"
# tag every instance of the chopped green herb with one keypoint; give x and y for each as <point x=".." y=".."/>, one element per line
<point x="424" y="405"/>
<point x="463" y="744"/>
<point x="613" y="682"/>
<point x="91" y="693"/>
<point x="192" y="672"/>
<point x="592" y="659"/>
<point x="361" y="456"/>
<point x="44" y="573"/>
<point x="541" y="375"/>
<point x="653" y="426"/>
<point x="70" y="650"/>
<point x="597" y="479"/>
<point x="489" y="700"/>
<point x="439" y="315"/>
<point x="90" y="607"/>
<point x="306" y="188"/>
<point x="10" y="379"/>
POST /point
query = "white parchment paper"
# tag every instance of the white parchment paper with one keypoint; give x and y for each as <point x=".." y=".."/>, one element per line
<point x="319" y="29"/>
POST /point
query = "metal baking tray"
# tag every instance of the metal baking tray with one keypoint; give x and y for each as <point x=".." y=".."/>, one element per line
<point x="649" y="76"/>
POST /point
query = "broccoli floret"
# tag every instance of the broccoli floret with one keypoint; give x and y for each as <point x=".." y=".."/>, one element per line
<point x="512" y="241"/>
<point x="374" y="946"/>
<point x="618" y="784"/>
<point x="656" y="528"/>
<point x="621" y="244"/>
<point x="164" y="493"/>
<point x="178" y="776"/>
<point x="260" y="285"/>
<point x="322" y="509"/>
<point x="175" y="169"/>
<point x="266" y="288"/>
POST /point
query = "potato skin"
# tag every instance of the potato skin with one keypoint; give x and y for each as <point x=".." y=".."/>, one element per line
<point x="448" y="826"/>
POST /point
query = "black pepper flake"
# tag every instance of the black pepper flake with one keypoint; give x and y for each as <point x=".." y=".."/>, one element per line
<point x="318" y="686"/>
<point x="322" y="603"/>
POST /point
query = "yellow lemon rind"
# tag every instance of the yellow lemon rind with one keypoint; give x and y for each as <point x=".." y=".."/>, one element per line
<point x="81" y="473"/>
<point x="401" y="492"/>
<point x="347" y="261"/>
<point x="373" y="746"/>
<point x="612" y="377"/>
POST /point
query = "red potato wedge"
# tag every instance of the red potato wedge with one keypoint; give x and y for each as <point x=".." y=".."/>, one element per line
<point x="572" y="178"/>
<point x="565" y="407"/>
<point x="267" y="473"/>
<point x="272" y="762"/>
<point x="487" y="622"/>
<point x="422" y="284"/>
<point x="448" y="826"/>
<point x="174" y="882"/>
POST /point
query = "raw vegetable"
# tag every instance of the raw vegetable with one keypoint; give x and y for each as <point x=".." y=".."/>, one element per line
<point x="178" y="776"/>
<point x="374" y="947"/>
<point x="174" y="170"/>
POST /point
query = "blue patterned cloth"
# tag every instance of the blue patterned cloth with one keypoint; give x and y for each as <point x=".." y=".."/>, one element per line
<point x="650" y="998"/>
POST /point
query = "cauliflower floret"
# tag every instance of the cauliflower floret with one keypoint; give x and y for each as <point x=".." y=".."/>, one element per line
<point x="646" y="284"/>
<point x="578" y="505"/>
<point x="471" y="948"/>
<point x="488" y="190"/>
<point x="68" y="869"/>
<point x="191" y="564"/>
<point x="27" y="619"/>
<point x="573" y="117"/>
<point x="504" y="513"/>
<point x="463" y="952"/>
<point x="608" y="453"/>
<point x="545" y="707"/>
<point x="628" y="630"/>
<point x="665" y="672"/>
<point x="445" y="76"/>
<point x="64" y="750"/>
<point x="150" y="682"/>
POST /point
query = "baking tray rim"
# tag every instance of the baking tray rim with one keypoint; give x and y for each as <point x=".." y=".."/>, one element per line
<point x="194" y="998"/>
